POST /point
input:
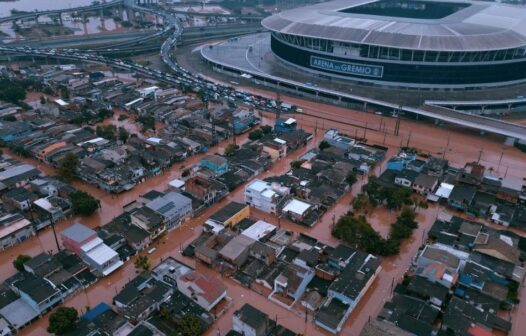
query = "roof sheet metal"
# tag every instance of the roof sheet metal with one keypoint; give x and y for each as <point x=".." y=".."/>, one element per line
<point x="479" y="27"/>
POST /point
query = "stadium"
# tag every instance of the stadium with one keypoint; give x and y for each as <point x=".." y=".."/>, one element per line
<point x="405" y="43"/>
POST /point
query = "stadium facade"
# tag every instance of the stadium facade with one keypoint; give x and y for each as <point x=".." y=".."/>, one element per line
<point x="409" y="43"/>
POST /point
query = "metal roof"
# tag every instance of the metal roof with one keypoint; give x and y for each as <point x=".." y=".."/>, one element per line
<point x="479" y="27"/>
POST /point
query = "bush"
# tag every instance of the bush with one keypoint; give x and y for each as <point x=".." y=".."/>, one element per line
<point x="19" y="262"/>
<point x="266" y="129"/>
<point x="324" y="145"/>
<point x="231" y="149"/>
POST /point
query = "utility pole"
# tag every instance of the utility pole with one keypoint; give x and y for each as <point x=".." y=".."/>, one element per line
<point x="500" y="160"/>
<point x="54" y="232"/>
<point x="447" y="146"/>
<point x="480" y="155"/>
<point x="408" y="139"/>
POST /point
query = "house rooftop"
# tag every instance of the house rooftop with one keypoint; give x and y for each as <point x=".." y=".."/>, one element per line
<point x="296" y="206"/>
<point x="259" y="230"/>
<point x="227" y="212"/>
<point x="78" y="232"/>
<point x="252" y="316"/>
<point x="209" y="288"/>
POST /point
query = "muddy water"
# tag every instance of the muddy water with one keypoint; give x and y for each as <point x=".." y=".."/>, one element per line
<point x="461" y="145"/>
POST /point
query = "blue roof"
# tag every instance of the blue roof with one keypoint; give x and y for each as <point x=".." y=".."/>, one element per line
<point x="96" y="311"/>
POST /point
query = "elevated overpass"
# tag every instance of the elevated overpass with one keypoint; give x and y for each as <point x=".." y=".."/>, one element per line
<point x="28" y="15"/>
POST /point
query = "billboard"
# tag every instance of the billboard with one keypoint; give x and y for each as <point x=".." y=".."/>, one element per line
<point x="366" y="70"/>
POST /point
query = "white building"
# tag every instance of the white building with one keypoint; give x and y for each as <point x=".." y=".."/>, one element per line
<point x="100" y="256"/>
<point x="265" y="196"/>
<point x="259" y="230"/>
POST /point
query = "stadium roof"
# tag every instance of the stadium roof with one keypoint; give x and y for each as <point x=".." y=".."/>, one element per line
<point x="480" y="26"/>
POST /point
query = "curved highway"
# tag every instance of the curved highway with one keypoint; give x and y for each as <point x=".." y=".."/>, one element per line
<point x="183" y="78"/>
<point x="26" y="15"/>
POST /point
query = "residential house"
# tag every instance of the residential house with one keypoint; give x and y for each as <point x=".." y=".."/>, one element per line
<point x="300" y="211"/>
<point x="471" y="174"/>
<point x="285" y="125"/>
<point x="18" y="198"/>
<point x="169" y="270"/>
<point x="237" y="250"/>
<point x="172" y="207"/>
<point x="275" y="148"/>
<point x="205" y="190"/>
<point x="435" y="293"/>
<point x="340" y="256"/>
<point x="215" y="163"/>
<point x="461" y="197"/>
<point x="406" y="178"/>
<point x="206" y="291"/>
<point x="54" y="208"/>
<point x="231" y="214"/>
<point x="425" y="184"/>
<point x="432" y="254"/>
<point x="400" y="161"/>
<point x="14" y="228"/>
<point x="11" y="131"/>
<point x="88" y="246"/>
<point x="249" y="321"/>
<point x="347" y="290"/>
<point x="290" y="285"/>
<point x="265" y="196"/>
<point x="148" y="220"/>
<point x="38" y="293"/>
<point x="339" y="141"/>
<point x="18" y="175"/>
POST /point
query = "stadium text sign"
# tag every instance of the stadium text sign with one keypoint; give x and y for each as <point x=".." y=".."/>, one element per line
<point x="347" y="68"/>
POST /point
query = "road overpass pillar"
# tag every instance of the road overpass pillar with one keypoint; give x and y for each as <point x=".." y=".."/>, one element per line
<point x="510" y="141"/>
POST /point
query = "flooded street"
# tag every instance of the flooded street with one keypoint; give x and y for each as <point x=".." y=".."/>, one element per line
<point x="462" y="147"/>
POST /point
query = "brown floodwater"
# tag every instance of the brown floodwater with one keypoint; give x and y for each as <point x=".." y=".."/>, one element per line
<point x="462" y="147"/>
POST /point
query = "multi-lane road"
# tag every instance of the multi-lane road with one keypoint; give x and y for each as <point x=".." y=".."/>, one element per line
<point x="182" y="77"/>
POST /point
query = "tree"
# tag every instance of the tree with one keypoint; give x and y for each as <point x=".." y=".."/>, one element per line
<point x="19" y="262"/>
<point x="324" y="145"/>
<point x="43" y="100"/>
<point x="231" y="149"/>
<point x="107" y="131"/>
<point x="9" y="118"/>
<point x="296" y="164"/>
<point x="189" y="325"/>
<point x="148" y="122"/>
<point x="62" y="320"/>
<point x="68" y="166"/>
<point x="19" y="150"/>
<point x="123" y="134"/>
<point x="83" y="203"/>
<point x="255" y="135"/>
<point x="104" y="113"/>
<point x="142" y="262"/>
<point x="266" y="129"/>
<point x="351" y="178"/>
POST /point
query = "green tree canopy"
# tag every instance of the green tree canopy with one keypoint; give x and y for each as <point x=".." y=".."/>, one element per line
<point x="19" y="262"/>
<point x="107" y="132"/>
<point x="142" y="262"/>
<point x="189" y="325"/>
<point x="324" y="145"/>
<point x="68" y="166"/>
<point x="62" y="320"/>
<point x="83" y="203"/>
<point x="231" y="149"/>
